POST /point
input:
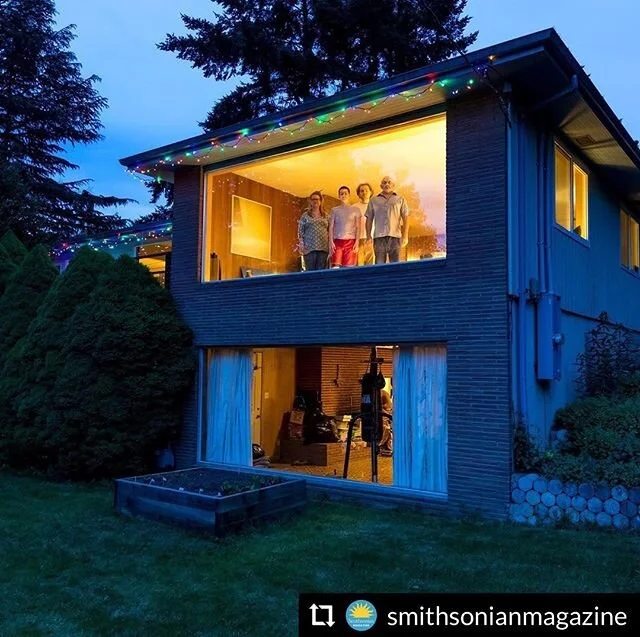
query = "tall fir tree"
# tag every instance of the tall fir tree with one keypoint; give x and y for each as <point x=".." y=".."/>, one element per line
<point x="287" y="51"/>
<point x="31" y="367"/>
<point x="45" y="105"/>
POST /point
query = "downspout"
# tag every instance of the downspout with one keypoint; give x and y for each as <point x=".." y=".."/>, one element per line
<point x="522" y="275"/>
<point x="549" y="198"/>
<point x="541" y="208"/>
<point x="516" y="260"/>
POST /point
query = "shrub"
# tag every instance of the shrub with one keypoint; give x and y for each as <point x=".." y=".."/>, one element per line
<point x="22" y="298"/>
<point x="7" y="269"/>
<point x="610" y="356"/>
<point x="32" y="366"/>
<point x="126" y="367"/>
<point x="13" y="247"/>
<point x="603" y="441"/>
<point x="526" y="455"/>
<point x="630" y="385"/>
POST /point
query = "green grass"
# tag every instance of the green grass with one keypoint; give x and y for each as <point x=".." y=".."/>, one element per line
<point x="73" y="567"/>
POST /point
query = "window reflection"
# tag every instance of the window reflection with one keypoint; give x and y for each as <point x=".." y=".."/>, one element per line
<point x="275" y="215"/>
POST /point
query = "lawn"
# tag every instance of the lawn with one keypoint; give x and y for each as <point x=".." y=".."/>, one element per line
<point x="72" y="567"/>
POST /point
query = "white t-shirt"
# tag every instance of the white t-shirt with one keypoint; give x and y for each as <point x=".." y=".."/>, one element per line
<point x="346" y="222"/>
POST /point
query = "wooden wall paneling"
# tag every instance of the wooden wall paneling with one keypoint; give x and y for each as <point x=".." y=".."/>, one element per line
<point x="278" y="389"/>
<point x="285" y="212"/>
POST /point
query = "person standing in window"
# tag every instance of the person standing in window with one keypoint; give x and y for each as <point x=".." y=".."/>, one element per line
<point x="344" y="231"/>
<point x="388" y="214"/>
<point x="365" y="251"/>
<point x="313" y="234"/>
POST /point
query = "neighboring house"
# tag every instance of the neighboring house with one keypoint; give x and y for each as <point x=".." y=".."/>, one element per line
<point x="524" y="197"/>
<point x="149" y="243"/>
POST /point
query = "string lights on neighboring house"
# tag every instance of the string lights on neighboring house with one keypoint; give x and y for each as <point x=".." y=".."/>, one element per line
<point x="120" y="237"/>
<point x="452" y="86"/>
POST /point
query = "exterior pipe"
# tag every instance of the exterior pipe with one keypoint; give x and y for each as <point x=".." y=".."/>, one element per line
<point x="549" y="199"/>
<point x="522" y="270"/>
<point x="512" y="254"/>
<point x="541" y="205"/>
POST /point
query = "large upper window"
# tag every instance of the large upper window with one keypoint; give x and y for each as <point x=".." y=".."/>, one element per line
<point x="290" y="212"/>
<point x="629" y="242"/>
<point x="572" y="193"/>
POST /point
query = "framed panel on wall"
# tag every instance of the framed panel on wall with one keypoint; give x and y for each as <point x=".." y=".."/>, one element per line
<point x="250" y="229"/>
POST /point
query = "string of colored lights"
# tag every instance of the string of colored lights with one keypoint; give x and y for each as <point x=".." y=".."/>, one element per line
<point x="244" y="136"/>
<point x="121" y="237"/>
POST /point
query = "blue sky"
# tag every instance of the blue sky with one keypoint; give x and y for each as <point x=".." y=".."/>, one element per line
<point x="155" y="99"/>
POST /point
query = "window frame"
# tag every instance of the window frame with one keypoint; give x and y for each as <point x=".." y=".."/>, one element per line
<point x="167" y="263"/>
<point x="574" y="164"/>
<point x="629" y="218"/>
<point x="381" y="126"/>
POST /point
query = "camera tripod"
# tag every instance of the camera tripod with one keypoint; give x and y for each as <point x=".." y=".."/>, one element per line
<point x="370" y="415"/>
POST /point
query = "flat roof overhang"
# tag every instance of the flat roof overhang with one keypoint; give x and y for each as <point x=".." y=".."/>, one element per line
<point x="545" y="79"/>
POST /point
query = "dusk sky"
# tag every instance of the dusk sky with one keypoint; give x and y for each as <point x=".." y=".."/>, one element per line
<point x="155" y="99"/>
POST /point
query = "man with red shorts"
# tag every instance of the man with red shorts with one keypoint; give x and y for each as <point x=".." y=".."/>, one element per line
<point x="344" y="231"/>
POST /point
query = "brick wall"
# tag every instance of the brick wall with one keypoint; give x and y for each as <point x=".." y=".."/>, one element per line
<point x="461" y="302"/>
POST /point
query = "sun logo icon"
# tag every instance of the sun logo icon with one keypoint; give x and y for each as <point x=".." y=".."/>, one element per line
<point x="361" y="615"/>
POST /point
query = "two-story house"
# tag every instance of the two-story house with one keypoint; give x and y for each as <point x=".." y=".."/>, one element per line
<point x="523" y="191"/>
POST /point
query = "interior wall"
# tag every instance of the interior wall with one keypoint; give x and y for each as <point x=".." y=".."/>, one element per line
<point x="278" y="390"/>
<point x="342" y="369"/>
<point x="285" y="212"/>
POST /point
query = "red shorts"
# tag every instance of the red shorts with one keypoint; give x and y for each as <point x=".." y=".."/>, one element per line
<point x="344" y="253"/>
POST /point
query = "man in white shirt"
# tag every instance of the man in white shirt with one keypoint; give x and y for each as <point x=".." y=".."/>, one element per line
<point x="365" y="250"/>
<point x="388" y="214"/>
<point x="344" y="231"/>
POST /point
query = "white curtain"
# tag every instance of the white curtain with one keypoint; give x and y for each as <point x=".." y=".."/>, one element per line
<point x="420" y="418"/>
<point x="229" y="407"/>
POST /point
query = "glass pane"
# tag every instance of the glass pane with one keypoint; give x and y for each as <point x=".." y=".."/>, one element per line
<point x="563" y="189"/>
<point x="624" y="239"/>
<point x="634" y="241"/>
<point x="580" y="202"/>
<point x="261" y="218"/>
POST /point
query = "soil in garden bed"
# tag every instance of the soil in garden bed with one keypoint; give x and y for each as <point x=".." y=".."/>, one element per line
<point x="208" y="481"/>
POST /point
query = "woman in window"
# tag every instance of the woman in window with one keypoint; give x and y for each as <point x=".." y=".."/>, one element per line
<point x="313" y="234"/>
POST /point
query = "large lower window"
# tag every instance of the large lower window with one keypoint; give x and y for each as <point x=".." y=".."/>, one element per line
<point x="629" y="242"/>
<point x="290" y="212"/>
<point x="303" y="410"/>
<point x="572" y="190"/>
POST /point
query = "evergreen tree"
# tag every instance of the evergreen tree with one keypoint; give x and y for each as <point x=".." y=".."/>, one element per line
<point x="20" y="302"/>
<point x="45" y="104"/>
<point x="32" y="366"/>
<point x="7" y="269"/>
<point x="287" y="51"/>
<point x="127" y="364"/>
<point x="14" y="248"/>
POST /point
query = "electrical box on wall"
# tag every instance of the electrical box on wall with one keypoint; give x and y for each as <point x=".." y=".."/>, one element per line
<point x="549" y="337"/>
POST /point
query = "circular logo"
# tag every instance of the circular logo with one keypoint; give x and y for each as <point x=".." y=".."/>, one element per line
<point x="361" y="615"/>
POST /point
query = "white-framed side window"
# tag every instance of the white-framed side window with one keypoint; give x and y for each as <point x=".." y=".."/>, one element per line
<point x="572" y="194"/>
<point x="629" y="242"/>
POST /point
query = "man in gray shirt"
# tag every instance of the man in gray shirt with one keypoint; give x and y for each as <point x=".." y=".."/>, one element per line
<point x="390" y="213"/>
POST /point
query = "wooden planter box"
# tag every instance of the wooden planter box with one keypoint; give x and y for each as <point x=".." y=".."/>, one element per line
<point x="216" y="514"/>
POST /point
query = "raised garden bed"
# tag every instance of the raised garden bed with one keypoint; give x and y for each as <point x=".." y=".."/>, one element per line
<point x="215" y="500"/>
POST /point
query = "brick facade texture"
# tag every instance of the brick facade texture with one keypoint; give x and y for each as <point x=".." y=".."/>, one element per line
<point x="461" y="302"/>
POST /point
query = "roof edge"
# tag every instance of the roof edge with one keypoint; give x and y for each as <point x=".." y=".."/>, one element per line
<point x="350" y="96"/>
